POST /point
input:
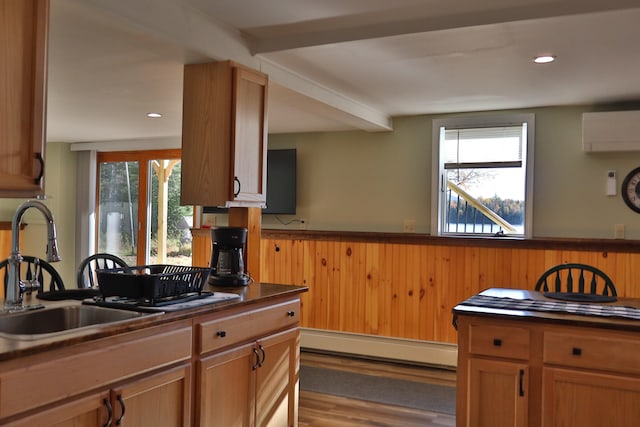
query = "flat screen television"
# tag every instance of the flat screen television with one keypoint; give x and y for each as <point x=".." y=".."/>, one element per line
<point x="281" y="184"/>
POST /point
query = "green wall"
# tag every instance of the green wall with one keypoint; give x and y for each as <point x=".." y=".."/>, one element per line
<point x="361" y="181"/>
<point x="60" y="185"/>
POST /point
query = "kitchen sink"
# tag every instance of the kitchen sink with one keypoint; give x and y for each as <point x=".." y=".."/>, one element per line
<point x="47" y="322"/>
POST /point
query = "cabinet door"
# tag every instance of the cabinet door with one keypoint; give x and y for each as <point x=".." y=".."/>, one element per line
<point x="578" y="398"/>
<point x="498" y="393"/>
<point x="91" y="411"/>
<point x="277" y="380"/>
<point x="249" y="136"/>
<point x="226" y="388"/>
<point x="224" y="135"/>
<point x="162" y="399"/>
<point x="23" y="72"/>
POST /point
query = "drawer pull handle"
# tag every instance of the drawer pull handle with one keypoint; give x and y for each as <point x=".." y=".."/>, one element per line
<point x="291" y="313"/>
<point x="257" y="355"/>
<point x="497" y="342"/>
<point x="121" y="402"/>
<point x="264" y="356"/>
<point x="521" y="382"/>
<point x="107" y="404"/>
<point x="576" y="351"/>
<point x="221" y="334"/>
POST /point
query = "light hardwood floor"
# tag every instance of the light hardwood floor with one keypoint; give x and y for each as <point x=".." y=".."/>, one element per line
<point x="322" y="410"/>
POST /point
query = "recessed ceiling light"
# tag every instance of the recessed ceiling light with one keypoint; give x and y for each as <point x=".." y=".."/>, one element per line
<point x="544" y="59"/>
<point x="154" y="115"/>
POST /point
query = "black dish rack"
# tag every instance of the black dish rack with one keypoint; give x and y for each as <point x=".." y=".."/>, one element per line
<point x="154" y="285"/>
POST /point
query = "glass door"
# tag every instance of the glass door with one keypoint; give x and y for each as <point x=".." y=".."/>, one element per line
<point x="139" y="214"/>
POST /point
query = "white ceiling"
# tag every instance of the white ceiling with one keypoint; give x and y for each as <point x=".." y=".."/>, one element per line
<point x="334" y="64"/>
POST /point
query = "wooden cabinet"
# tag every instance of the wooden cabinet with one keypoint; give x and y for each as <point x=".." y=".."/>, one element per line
<point x="23" y="73"/>
<point x="579" y="398"/>
<point x="493" y="360"/>
<point x="163" y="399"/>
<point x="224" y="135"/>
<point x="134" y="375"/>
<point x="159" y="400"/>
<point x="496" y="394"/>
<point x="544" y="373"/>
<point x="238" y="366"/>
<point x="93" y="410"/>
<point x="590" y="377"/>
<point x="252" y="379"/>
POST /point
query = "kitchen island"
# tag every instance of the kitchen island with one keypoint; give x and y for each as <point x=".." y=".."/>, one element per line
<point x="231" y="363"/>
<point x="528" y="360"/>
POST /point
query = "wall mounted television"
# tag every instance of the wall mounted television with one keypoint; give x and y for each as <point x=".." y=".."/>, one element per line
<point x="281" y="184"/>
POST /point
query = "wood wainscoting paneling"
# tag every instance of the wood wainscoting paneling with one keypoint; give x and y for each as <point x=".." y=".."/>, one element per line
<point x="5" y="244"/>
<point x="401" y="286"/>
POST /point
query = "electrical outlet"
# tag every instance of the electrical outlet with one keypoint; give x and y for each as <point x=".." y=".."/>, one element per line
<point x="208" y="220"/>
<point x="303" y="224"/>
<point x="619" y="231"/>
<point x="409" y="226"/>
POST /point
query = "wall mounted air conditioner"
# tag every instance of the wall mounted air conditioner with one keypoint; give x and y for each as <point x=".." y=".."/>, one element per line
<point x="611" y="131"/>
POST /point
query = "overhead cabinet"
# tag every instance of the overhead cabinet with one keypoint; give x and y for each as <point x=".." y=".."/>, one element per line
<point x="23" y="72"/>
<point x="224" y="135"/>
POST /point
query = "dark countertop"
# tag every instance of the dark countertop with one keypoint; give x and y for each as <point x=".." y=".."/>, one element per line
<point x="252" y="294"/>
<point x="549" y="317"/>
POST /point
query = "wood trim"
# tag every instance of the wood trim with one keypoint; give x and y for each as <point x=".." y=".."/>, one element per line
<point x="142" y="158"/>
<point x="557" y="243"/>
<point x="251" y="219"/>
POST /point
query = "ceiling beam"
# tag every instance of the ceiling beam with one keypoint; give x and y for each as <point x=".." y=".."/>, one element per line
<point x="202" y="39"/>
<point x="413" y="20"/>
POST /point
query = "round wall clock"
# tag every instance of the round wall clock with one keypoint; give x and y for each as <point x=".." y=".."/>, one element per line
<point x="631" y="189"/>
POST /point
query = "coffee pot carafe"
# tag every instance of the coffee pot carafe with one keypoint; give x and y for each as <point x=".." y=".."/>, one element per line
<point x="227" y="264"/>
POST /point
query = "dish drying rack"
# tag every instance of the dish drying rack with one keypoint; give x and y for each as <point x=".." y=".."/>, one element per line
<point x="153" y="285"/>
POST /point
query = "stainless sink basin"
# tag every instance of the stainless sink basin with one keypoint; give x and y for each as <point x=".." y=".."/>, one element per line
<point x="46" y="322"/>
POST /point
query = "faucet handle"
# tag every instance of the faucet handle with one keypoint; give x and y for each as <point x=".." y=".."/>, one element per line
<point x="29" y="285"/>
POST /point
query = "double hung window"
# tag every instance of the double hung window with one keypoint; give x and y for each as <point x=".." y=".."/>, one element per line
<point x="483" y="175"/>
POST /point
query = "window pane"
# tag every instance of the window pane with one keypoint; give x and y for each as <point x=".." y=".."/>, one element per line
<point x="118" y="209"/>
<point x="476" y="194"/>
<point x="169" y="223"/>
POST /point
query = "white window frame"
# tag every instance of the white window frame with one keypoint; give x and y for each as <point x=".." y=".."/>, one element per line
<point x="477" y="121"/>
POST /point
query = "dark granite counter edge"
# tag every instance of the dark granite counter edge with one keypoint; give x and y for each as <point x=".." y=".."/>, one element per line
<point x="546" y="317"/>
<point x="252" y="294"/>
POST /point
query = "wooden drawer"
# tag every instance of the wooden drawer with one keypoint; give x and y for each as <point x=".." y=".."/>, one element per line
<point x="90" y="366"/>
<point x="596" y="350"/>
<point x="501" y="341"/>
<point x="230" y="330"/>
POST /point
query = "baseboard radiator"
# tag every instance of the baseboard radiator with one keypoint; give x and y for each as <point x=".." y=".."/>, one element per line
<point x="382" y="348"/>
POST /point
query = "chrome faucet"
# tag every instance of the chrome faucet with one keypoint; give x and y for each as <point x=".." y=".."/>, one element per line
<point x="15" y="286"/>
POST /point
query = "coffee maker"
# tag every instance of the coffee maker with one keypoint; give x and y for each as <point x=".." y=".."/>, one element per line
<point x="227" y="265"/>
